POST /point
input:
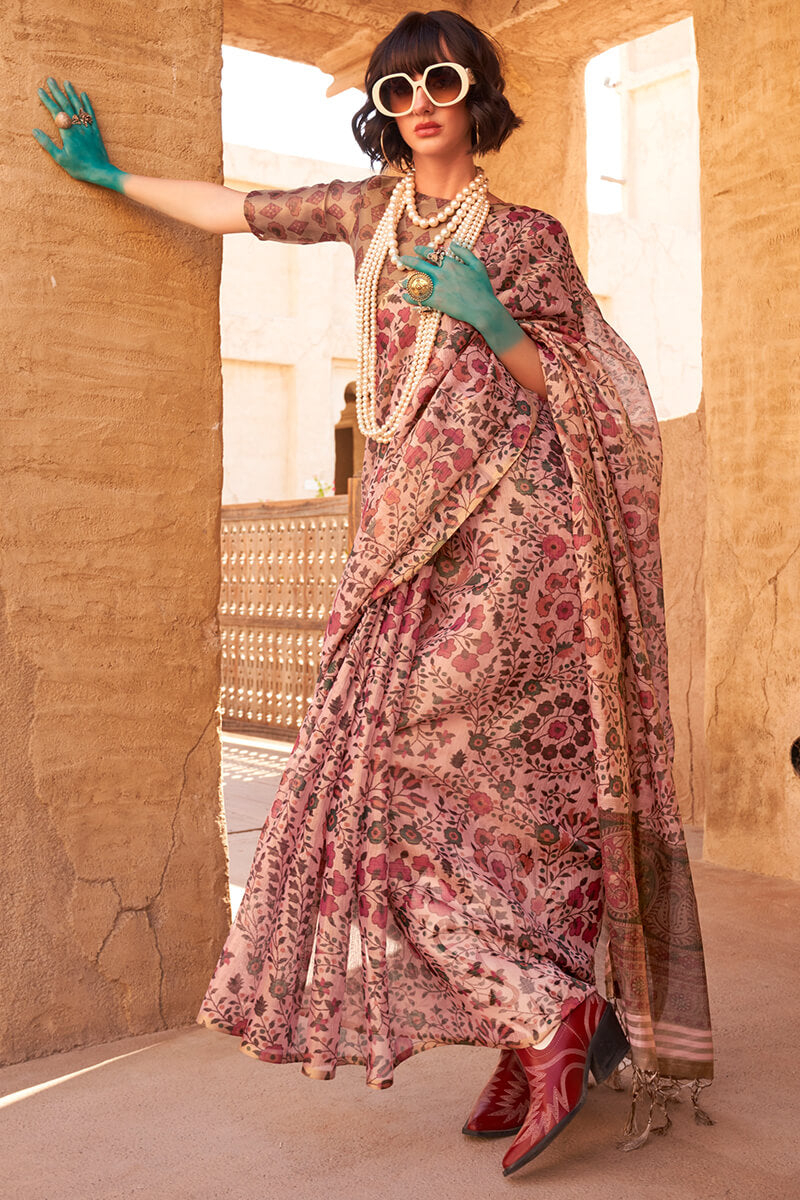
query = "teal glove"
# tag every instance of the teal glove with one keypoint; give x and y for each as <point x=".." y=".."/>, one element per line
<point x="463" y="289"/>
<point x="83" y="155"/>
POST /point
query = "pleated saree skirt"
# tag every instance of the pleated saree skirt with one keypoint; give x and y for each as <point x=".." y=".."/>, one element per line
<point x="430" y="871"/>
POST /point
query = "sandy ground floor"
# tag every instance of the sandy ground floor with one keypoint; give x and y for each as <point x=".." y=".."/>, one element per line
<point x="183" y="1115"/>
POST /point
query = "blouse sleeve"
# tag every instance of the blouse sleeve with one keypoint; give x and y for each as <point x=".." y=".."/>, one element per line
<point x="321" y="212"/>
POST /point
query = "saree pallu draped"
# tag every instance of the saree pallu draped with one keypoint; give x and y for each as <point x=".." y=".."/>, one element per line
<point x="482" y="784"/>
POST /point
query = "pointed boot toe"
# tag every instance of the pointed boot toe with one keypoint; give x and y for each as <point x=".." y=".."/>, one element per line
<point x="501" y="1107"/>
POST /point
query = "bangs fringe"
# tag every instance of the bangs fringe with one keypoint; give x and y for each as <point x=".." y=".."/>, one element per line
<point x="411" y="49"/>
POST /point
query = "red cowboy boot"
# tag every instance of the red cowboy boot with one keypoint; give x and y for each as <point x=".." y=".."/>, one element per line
<point x="501" y="1107"/>
<point x="589" y="1038"/>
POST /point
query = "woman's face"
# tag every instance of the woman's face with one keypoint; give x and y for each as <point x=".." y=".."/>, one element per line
<point x="434" y="132"/>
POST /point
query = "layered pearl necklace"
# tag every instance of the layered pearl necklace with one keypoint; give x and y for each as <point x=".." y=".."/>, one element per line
<point x="465" y="216"/>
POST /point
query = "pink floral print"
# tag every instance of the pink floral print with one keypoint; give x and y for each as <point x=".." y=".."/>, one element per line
<point x="483" y="778"/>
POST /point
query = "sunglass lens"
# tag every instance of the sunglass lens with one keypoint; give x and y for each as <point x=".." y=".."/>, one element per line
<point x="395" y="94"/>
<point x="444" y="84"/>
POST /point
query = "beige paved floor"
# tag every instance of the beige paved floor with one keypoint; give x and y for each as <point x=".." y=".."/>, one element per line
<point x="183" y="1115"/>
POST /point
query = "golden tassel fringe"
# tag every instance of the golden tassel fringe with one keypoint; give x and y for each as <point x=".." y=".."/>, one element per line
<point x="661" y="1090"/>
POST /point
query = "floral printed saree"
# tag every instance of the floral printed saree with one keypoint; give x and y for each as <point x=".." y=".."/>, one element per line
<point x="480" y="795"/>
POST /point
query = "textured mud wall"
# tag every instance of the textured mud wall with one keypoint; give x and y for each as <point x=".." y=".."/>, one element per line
<point x="113" y="872"/>
<point x="750" y="184"/>
<point x="682" y="528"/>
<point x="544" y="162"/>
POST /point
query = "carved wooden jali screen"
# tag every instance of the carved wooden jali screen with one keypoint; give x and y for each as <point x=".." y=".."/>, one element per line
<point x="281" y="562"/>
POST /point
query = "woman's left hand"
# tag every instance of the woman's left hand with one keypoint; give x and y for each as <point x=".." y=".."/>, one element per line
<point x="461" y="286"/>
<point x="463" y="290"/>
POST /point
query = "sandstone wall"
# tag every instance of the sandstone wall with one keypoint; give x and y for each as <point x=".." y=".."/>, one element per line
<point x="750" y="181"/>
<point x="682" y="528"/>
<point x="114" y="875"/>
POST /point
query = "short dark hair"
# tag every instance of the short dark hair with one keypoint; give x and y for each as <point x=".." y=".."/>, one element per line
<point x="415" y="43"/>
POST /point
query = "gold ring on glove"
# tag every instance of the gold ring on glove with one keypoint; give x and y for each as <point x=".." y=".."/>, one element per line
<point x="419" y="286"/>
<point x="64" y="120"/>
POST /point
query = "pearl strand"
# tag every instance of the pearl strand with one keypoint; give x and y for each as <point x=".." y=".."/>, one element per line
<point x="476" y="184"/>
<point x="467" y="214"/>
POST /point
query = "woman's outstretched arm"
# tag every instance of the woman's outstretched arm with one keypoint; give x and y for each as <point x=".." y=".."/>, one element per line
<point x="208" y="206"/>
<point x="83" y="155"/>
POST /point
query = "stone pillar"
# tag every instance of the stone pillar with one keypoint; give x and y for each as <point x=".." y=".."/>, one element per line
<point x="544" y="161"/>
<point x="682" y="529"/>
<point x="114" y="873"/>
<point x="750" y="197"/>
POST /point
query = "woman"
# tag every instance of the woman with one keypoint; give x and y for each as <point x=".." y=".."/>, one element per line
<point x="482" y="783"/>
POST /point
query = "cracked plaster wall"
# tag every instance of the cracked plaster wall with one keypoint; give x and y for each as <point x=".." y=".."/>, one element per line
<point x="114" y="871"/>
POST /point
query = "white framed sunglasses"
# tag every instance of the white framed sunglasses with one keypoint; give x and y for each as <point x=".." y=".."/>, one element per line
<point x="443" y="83"/>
